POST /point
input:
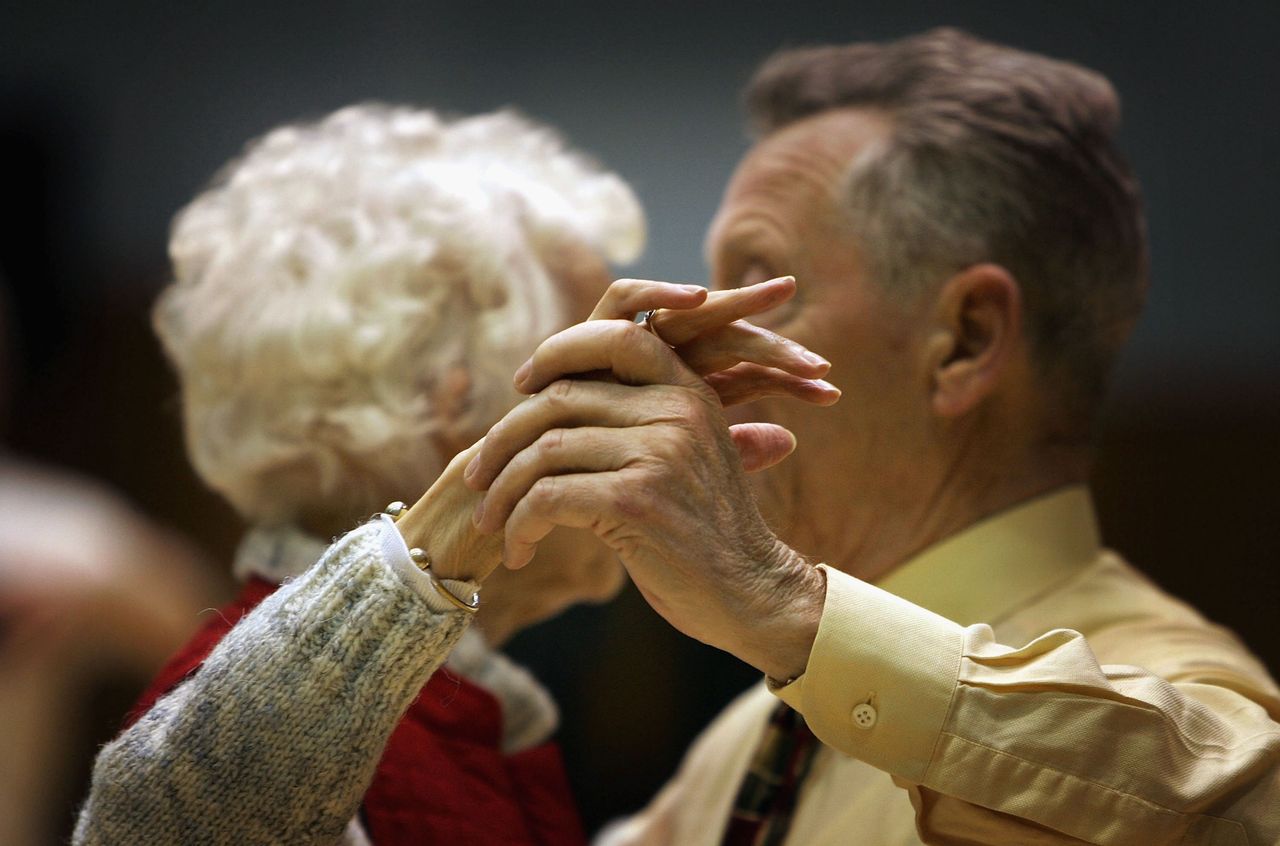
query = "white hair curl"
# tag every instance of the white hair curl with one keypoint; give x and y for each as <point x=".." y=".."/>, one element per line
<point x="340" y="277"/>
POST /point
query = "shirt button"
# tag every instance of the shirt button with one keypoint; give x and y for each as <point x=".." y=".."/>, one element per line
<point x="864" y="716"/>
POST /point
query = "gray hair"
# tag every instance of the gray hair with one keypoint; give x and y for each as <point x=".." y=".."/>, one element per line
<point x="341" y="276"/>
<point x="997" y="155"/>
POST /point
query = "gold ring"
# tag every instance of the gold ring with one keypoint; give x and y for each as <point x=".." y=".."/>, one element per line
<point x="650" y="326"/>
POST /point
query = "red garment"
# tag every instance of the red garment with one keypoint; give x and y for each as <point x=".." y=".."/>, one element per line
<point x="443" y="776"/>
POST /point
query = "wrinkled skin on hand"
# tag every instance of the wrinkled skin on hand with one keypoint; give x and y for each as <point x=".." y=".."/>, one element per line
<point x="648" y="463"/>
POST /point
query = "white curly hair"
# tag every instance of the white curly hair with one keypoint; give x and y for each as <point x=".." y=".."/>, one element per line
<point x="351" y="295"/>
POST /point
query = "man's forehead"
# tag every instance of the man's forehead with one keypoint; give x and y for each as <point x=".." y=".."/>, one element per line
<point x="798" y="165"/>
<point x="829" y="140"/>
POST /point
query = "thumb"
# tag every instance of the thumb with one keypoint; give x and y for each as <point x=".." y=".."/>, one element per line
<point x="761" y="445"/>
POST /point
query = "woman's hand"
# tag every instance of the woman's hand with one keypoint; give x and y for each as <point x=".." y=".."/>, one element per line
<point x="440" y="524"/>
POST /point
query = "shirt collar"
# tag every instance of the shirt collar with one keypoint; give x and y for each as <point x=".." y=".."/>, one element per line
<point x="1000" y="564"/>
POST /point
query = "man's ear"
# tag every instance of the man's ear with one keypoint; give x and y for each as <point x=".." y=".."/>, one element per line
<point x="977" y="331"/>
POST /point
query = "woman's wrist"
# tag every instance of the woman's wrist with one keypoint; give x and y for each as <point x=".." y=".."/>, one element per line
<point x="439" y="523"/>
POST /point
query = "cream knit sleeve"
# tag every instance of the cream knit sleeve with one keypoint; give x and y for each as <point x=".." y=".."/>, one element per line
<point x="275" y="739"/>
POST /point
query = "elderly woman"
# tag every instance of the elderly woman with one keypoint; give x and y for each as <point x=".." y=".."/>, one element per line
<point x="351" y="299"/>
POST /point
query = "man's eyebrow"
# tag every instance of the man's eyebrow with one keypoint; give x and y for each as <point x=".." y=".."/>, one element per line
<point x="746" y="236"/>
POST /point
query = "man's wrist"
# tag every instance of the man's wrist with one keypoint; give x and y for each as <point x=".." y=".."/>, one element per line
<point x="785" y="639"/>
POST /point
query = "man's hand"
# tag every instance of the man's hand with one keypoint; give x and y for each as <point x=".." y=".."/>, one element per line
<point x="648" y="463"/>
<point x="740" y="361"/>
<point x="709" y="330"/>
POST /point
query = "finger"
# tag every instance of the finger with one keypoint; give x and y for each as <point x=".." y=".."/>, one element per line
<point x="573" y="500"/>
<point x="625" y="297"/>
<point x="632" y="355"/>
<point x="723" y="348"/>
<point x="761" y="445"/>
<point x="678" y="327"/>
<point x="588" y="449"/>
<point x="566" y="404"/>
<point x="749" y="382"/>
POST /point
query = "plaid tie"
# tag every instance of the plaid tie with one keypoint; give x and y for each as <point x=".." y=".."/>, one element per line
<point x="767" y="798"/>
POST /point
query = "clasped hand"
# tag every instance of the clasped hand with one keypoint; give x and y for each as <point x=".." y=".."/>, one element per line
<point x="640" y="453"/>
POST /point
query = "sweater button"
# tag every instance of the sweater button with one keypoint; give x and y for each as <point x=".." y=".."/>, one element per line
<point x="864" y="716"/>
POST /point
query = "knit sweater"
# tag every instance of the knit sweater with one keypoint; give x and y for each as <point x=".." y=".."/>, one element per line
<point x="302" y="693"/>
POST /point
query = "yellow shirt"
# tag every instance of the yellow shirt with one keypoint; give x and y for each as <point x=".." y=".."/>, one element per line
<point x="1015" y="684"/>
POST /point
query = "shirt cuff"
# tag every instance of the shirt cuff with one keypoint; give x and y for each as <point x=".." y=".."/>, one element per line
<point x="880" y="679"/>
<point x="396" y="553"/>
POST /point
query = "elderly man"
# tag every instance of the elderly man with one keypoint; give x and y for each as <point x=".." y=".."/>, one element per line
<point x="970" y="252"/>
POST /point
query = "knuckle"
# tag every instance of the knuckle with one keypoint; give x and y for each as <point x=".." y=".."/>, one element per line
<point x="544" y="494"/>
<point x="550" y="442"/>
<point x="698" y="417"/>
<point x="495" y="439"/>
<point x="692" y="408"/>
<point x="671" y="446"/>
<point x="774" y="344"/>
<point x="622" y="290"/>
<point x="558" y="393"/>
<point x="670" y="401"/>
<point x="632" y="336"/>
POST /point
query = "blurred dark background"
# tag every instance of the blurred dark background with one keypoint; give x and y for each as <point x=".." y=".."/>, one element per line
<point x="112" y="115"/>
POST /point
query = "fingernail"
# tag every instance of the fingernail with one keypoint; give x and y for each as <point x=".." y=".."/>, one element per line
<point x="777" y="279"/>
<point x="815" y="359"/>
<point x="478" y="514"/>
<point x="471" y="467"/>
<point x="523" y="372"/>
<point x="693" y="289"/>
